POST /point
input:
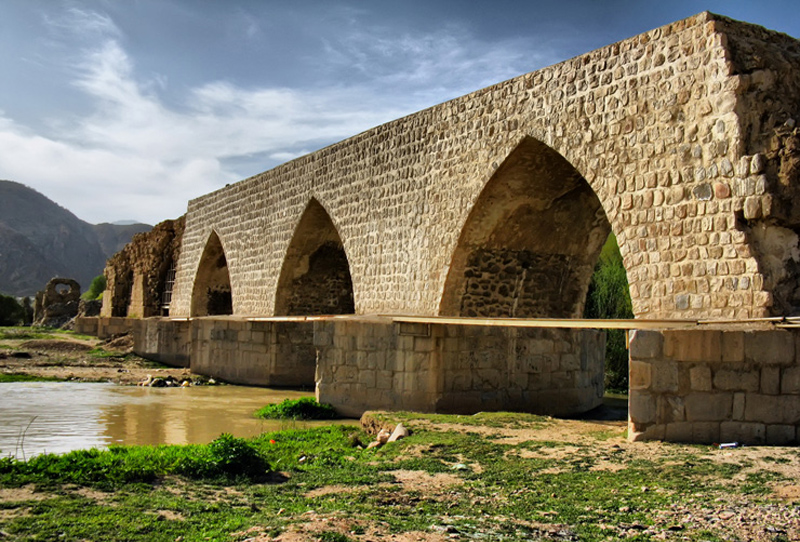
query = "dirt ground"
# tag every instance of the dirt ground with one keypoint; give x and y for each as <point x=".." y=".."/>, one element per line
<point x="740" y="518"/>
<point x="81" y="360"/>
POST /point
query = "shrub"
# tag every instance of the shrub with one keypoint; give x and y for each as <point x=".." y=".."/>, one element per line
<point x="305" y="408"/>
<point x="96" y="288"/>
<point x="11" y="312"/>
<point x="236" y="457"/>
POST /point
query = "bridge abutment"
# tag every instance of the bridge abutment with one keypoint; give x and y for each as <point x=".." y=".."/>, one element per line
<point x="715" y="385"/>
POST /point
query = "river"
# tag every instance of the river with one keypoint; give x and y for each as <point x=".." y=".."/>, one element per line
<point x="38" y="417"/>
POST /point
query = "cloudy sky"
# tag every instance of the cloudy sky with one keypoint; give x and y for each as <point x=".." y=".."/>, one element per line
<point x="126" y="109"/>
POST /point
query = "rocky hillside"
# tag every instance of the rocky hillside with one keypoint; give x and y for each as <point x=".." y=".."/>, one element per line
<point x="40" y="240"/>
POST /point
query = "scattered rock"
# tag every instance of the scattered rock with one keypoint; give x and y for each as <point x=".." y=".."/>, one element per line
<point x="399" y="432"/>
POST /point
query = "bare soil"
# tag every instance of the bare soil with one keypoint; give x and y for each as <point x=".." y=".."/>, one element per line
<point x="81" y="360"/>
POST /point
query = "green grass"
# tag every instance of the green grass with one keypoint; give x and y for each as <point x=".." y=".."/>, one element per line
<point x="304" y="408"/>
<point x="265" y="485"/>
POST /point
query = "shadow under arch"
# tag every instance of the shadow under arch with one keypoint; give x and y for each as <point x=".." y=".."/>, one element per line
<point x="529" y="246"/>
<point x="315" y="276"/>
<point x="211" y="294"/>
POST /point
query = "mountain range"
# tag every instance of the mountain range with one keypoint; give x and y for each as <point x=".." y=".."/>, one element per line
<point x="40" y="240"/>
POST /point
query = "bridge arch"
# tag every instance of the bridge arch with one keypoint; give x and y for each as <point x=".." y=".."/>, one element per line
<point x="212" y="294"/>
<point x="530" y="243"/>
<point x="315" y="276"/>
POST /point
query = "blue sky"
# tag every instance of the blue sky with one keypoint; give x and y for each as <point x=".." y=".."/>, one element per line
<point x="127" y="109"/>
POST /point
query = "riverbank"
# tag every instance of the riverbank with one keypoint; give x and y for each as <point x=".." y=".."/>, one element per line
<point x="58" y="355"/>
<point x="485" y="477"/>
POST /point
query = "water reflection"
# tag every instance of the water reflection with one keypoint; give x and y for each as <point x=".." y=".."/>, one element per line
<point x="59" y="417"/>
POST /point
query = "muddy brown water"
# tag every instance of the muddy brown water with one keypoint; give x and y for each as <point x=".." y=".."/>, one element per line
<point x="57" y="417"/>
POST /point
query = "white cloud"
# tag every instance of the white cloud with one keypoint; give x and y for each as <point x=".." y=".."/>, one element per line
<point x="136" y="157"/>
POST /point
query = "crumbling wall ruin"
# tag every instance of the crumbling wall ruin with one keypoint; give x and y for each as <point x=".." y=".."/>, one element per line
<point x="138" y="277"/>
<point x="58" y="303"/>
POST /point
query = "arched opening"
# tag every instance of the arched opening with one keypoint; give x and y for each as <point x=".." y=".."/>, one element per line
<point x="530" y="243"/>
<point x="212" y="284"/>
<point x="315" y="277"/>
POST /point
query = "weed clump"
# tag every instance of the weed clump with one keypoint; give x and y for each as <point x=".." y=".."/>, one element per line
<point x="227" y="457"/>
<point x="304" y="408"/>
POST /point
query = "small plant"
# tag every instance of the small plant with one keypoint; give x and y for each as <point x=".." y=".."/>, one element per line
<point x="96" y="288"/>
<point x="236" y="457"/>
<point x="304" y="408"/>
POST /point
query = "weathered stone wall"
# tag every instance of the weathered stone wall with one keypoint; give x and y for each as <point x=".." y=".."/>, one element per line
<point x="663" y="128"/>
<point x="366" y="364"/>
<point x="135" y="276"/>
<point x="257" y="353"/>
<point x="710" y="385"/>
<point x="168" y="341"/>
<point x="104" y="327"/>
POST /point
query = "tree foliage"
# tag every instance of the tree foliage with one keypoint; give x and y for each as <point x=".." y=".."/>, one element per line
<point x="609" y="298"/>
<point x="11" y="312"/>
<point x="96" y="288"/>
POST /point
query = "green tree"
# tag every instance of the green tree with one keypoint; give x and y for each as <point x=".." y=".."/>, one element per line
<point x="11" y="312"/>
<point x="96" y="288"/>
<point x="609" y="298"/>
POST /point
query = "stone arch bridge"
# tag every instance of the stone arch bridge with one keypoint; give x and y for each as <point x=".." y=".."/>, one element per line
<point x="681" y="141"/>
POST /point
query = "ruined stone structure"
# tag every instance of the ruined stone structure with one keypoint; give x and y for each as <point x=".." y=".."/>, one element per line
<point x="58" y="303"/>
<point x="681" y="141"/>
<point x="139" y="278"/>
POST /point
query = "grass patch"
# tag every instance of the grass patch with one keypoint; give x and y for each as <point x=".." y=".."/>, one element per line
<point x="304" y="408"/>
<point x="439" y="481"/>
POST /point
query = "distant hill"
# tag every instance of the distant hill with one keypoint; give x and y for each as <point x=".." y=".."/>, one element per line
<point x="113" y="237"/>
<point x="40" y="240"/>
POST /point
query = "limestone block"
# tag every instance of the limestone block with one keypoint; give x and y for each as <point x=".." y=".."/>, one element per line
<point x="743" y="432"/>
<point x="671" y="409"/>
<point x="367" y="378"/>
<point x="424" y="344"/>
<point x="770" y="380"/>
<point x="732" y="346"/>
<point x="640" y="374"/>
<point x="642" y="407"/>
<point x="665" y="376"/>
<point x="383" y="380"/>
<point x="736" y="380"/>
<point x="705" y="432"/>
<point x="773" y="409"/>
<point x="695" y="345"/>
<point x="770" y="347"/>
<point x="679" y="432"/>
<point x="700" y="378"/>
<point x="641" y="432"/>
<point x="739" y="401"/>
<point x="790" y="380"/>
<point x="646" y="344"/>
<point x="707" y="407"/>
<point x="781" y="435"/>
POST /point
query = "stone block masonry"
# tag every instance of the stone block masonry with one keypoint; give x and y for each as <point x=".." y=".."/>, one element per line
<point x="682" y="141"/>
<point x="366" y="364"/>
<point x="252" y="352"/>
<point x="359" y="363"/>
<point x="715" y="385"/>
